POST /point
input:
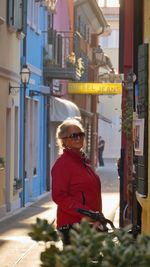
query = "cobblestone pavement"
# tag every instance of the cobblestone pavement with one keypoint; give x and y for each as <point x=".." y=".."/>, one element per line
<point x="110" y="190"/>
<point x="16" y="247"/>
<point x="109" y="176"/>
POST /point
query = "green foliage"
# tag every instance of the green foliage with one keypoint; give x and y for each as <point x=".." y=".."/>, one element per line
<point x="127" y="118"/>
<point x="43" y="231"/>
<point x="90" y="248"/>
<point x="17" y="183"/>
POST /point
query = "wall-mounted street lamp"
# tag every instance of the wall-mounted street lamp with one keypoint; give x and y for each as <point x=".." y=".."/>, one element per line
<point x="25" y="77"/>
<point x="129" y="80"/>
<point x="51" y="4"/>
<point x="99" y="55"/>
<point x="102" y="60"/>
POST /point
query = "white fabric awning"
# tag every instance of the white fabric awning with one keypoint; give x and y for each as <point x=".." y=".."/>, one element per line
<point x="61" y="109"/>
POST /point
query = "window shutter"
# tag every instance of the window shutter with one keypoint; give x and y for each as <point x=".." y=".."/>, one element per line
<point x="59" y="50"/>
<point x="15" y="14"/>
<point x="24" y="16"/>
<point x="142" y="161"/>
<point x="94" y="40"/>
<point x="10" y="17"/>
<point x="18" y="14"/>
<point x="50" y="36"/>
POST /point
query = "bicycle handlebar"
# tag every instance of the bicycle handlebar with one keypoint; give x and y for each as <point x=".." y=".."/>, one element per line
<point x="97" y="216"/>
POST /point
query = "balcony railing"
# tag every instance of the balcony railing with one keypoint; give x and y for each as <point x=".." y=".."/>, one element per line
<point x="70" y="68"/>
<point x="56" y="72"/>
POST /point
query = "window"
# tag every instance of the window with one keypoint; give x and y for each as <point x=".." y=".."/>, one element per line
<point x="59" y="50"/>
<point x="109" y="3"/>
<point x="101" y="3"/>
<point x="50" y="21"/>
<point x="85" y="31"/>
<point x="29" y="16"/>
<point x="37" y="16"/>
<point x="14" y="14"/>
<point x="79" y="23"/>
<point x="111" y="41"/>
<point x="34" y="15"/>
<point x="88" y="35"/>
<point x="31" y="139"/>
<point x="55" y="48"/>
<point x="33" y="25"/>
<point x="113" y="3"/>
<point x="35" y="136"/>
<point x="16" y="145"/>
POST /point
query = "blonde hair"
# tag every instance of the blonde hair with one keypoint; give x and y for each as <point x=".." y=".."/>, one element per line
<point x="62" y="130"/>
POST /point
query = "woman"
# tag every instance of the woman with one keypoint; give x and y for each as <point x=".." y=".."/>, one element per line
<point x="74" y="183"/>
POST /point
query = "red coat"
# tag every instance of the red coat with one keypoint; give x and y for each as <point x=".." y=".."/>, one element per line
<point x="74" y="185"/>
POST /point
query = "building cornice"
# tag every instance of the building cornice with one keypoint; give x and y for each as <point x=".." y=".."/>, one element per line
<point x="34" y="69"/>
<point x="102" y="25"/>
<point x="8" y="74"/>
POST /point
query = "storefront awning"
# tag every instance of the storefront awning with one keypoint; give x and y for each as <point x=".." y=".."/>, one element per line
<point x="62" y="109"/>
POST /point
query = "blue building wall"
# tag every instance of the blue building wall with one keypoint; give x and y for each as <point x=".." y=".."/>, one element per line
<point x="32" y="55"/>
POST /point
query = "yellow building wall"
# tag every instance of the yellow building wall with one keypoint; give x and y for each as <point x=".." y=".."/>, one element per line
<point x="145" y="203"/>
<point x="9" y="74"/>
<point x="9" y="44"/>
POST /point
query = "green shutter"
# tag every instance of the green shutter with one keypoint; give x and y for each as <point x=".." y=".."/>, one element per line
<point x="142" y="161"/>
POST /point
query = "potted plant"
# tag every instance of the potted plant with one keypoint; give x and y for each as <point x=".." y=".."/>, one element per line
<point x="17" y="185"/>
<point x="91" y="248"/>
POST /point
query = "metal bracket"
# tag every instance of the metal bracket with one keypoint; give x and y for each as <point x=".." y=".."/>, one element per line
<point x="37" y="93"/>
<point x="14" y="89"/>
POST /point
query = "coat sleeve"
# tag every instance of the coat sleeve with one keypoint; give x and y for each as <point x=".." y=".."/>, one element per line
<point x="60" y="191"/>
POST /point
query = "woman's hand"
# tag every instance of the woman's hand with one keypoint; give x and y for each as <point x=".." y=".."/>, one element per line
<point x="96" y="225"/>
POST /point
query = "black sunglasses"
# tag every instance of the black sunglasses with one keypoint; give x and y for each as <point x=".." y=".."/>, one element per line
<point x="76" y="135"/>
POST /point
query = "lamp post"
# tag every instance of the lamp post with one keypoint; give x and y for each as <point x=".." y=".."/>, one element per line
<point x="25" y="77"/>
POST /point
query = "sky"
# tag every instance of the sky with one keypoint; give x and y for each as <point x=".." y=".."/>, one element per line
<point x="110" y="3"/>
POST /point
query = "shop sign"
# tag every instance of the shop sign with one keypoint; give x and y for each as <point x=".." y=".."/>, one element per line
<point x="95" y="88"/>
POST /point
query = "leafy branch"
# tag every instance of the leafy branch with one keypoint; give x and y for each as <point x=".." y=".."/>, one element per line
<point x="90" y="248"/>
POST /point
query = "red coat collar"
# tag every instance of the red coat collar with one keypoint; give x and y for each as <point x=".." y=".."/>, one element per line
<point x="82" y="157"/>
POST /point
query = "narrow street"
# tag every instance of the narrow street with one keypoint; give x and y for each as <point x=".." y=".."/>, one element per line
<point x="16" y="247"/>
<point x="110" y="190"/>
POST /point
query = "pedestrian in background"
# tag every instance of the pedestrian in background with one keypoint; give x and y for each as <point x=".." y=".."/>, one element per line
<point x="74" y="182"/>
<point x="101" y="146"/>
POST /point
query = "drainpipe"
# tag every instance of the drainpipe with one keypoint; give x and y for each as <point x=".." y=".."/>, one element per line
<point x="48" y="142"/>
<point x="22" y="108"/>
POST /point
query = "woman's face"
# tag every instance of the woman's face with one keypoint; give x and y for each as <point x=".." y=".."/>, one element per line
<point x="74" y="138"/>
